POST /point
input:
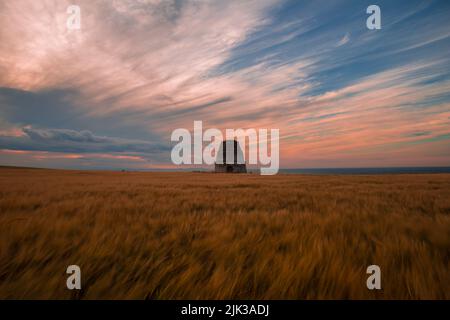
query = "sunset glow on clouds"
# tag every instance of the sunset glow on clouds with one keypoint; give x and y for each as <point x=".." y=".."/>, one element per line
<point x="109" y="95"/>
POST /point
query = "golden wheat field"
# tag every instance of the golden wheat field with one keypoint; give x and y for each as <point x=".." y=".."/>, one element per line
<point x="216" y="236"/>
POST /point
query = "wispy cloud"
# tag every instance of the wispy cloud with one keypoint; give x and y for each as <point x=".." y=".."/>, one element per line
<point x="345" y="39"/>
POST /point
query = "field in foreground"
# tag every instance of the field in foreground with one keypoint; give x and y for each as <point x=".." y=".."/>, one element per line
<point x="214" y="236"/>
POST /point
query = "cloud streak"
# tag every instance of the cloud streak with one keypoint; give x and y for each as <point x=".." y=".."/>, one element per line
<point x="65" y="140"/>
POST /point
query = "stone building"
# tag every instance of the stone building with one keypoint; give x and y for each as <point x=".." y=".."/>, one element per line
<point x="234" y="162"/>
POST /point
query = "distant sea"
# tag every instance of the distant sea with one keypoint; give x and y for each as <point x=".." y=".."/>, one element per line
<point x="391" y="170"/>
<point x="387" y="170"/>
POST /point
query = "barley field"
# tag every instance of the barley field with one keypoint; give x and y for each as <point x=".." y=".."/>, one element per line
<point x="216" y="236"/>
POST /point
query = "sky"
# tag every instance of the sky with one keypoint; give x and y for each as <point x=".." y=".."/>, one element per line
<point x="109" y="95"/>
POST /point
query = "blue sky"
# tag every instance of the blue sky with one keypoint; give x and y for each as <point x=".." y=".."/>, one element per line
<point x="110" y="94"/>
<point x="305" y="29"/>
